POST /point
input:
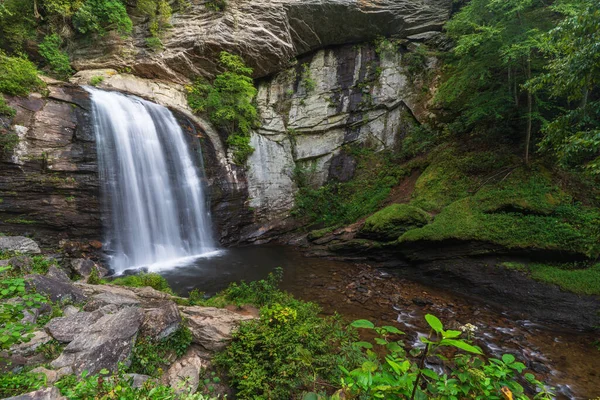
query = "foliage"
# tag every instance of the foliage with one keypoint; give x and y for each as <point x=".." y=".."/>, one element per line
<point x="306" y="79"/>
<point x="15" y="384"/>
<point x="101" y="16"/>
<point x="572" y="75"/>
<point x="96" y="80"/>
<point x="159" y="14"/>
<point x="57" y="59"/>
<point x="390" y="222"/>
<point x="345" y="202"/>
<point x="19" y="76"/>
<point x="8" y="141"/>
<point x="148" y="355"/>
<point x="94" y="278"/>
<point x="50" y="350"/>
<point x="153" y="280"/>
<point x="389" y="373"/>
<point x="216" y="5"/>
<point x="228" y="101"/>
<point x="154" y="44"/>
<point x="288" y="350"/>
<point x="12" y="329"/>
<point x="118" y="387"/>
<point x="5" y="110"/>
<point x="258" y="293"/>
<point x="572" y="277"/>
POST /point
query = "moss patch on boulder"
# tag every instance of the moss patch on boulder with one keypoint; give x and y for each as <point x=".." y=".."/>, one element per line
<point x="391" y="222"/>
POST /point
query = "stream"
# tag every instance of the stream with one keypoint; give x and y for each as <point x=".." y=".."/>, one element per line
<point x="565" y="359"/>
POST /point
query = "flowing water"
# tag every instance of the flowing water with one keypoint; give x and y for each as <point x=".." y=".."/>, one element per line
<point x="151" y="185"/>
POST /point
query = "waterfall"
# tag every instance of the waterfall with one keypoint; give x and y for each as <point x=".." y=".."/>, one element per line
<point x="151" y="185"/>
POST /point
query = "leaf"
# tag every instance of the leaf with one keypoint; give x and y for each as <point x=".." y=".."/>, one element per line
<point x="369" y="366"/>
<point x="434" y="323"/>
<point x="450" y="334"/>
<point x="392" y="329"/>
<point x="380" y="341"/>
<point x="310" y="396"/>
<point x="461" y="345"/>
<point x="429" y="373"/>
<point x="508" y="358"/>
<point x="394" y="347"/>
<point x="362" y="323"/>
<point x="365" y="345"/>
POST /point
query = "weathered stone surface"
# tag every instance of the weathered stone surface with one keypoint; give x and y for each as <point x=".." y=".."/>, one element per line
<point x="184" y="375"/>
<point x="103" y="344"/>
<point x="51" y="393"/>
<point x="161" y="321"/>
<point x="28" y="348"/>
<point x="137" y="380"/>
<point x="266" y="33"/>
<point x="58" y="273"/>
<point x="65" y="329"/>
<point x="57" y="290"/>
<point x="51" y="375"/>
<point x="70" y="310"/>
<point x="84" y="267"/>
<point x="211" y="327"/>
<point x="17" y="243"/>
<point x="21" y="264"/>
<point x="49" y="183"/>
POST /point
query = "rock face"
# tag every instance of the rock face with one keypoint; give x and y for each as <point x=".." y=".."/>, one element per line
<point x="49" y="184"/>
<point x="55" y="289"/>
<point x="104" y="344"/>
<point x="18" y="243"/>
<point x="51" y="393"/>
<point x="65" y="329"/>
<point x="266" y="33"/>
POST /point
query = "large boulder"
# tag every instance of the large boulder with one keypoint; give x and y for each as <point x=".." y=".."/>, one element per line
<point x="184" y="375"/>
<point x="84" y="267"/>
<point x="104" y="344"/>
<point x="162" y="320"/>
<point x="57" y="290"/>
<point x="50" y="393"/>
<point x="65" y="329"/>
<point x="28" y="348"/>
<point x="19" y="244"/>
<point x="211" y="327"/>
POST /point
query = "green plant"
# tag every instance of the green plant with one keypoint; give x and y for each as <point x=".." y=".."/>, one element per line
<point x="6" y="110"/>
<point x="258" y="293"/>
<point x="12" y="384"/>
<point x="216" y="5"/>
<point x="228" y="101"/>
<point x="8" y="142"/>
<point x="51" y="350"/>
<point x="154" y="44"/>
<point x="96" y="80"/>
<point x="159" y="14"/>
<point x="153" y="280"/>
<point x="148" y="355"/>
<point x="101" y="16"/>
<point x="306" y="79"/>
<point x="57" y="59"/>
<point x="19" y="76"/>
<point x="389" y="223"/>
<point x="94" y="278"/>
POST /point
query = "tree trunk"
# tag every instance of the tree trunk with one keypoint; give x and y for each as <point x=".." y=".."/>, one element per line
<point x="529" y="112"/>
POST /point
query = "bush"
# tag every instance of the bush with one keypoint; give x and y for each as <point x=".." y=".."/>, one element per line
<point x="228" y="103"/>
<point x="388" y="224"/>
<point x="6" y="110"/>
<point x="8" y="142"/>
<point x="19" y="76"/>
<point x="99" y="16"/>
<point x="96" y="80"/>
<point x="216" y="5"/>
<point x="15" y="384"/>
<point x="153" y="280"/>
<point x="148" y="355"/>
<point x="154" y="44"/>
<point x="57" y="59"/>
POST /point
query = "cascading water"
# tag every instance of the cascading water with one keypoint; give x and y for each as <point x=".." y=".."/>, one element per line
<point x="151" y="184"/>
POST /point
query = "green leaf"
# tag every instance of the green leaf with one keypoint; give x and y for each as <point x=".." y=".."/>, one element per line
<point x="429" y="373"/>
<point x="363" y="323"/>
<point x="508" y="358"/>
<point x="434" y="323"/>
<point x="461" y="345"/>
<point x="366" y="345"/>
<point x="450" y="334"/>
<point x="310" y="396"/>
<point x="392" y="329"/>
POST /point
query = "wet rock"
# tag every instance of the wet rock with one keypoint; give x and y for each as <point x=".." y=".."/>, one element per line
<point x="211" y="327"/>
<point x="103" y="344"/>
<point x="162" y="320"/>
<point x="65" y="329"/>
<point x="56" y="290"/>
<point x="422" y="302"/>
<point x="58" y="273"/>
<point x="184" y="375"/>
<point x="19" y="244"/>
<point x="51" y="393"/>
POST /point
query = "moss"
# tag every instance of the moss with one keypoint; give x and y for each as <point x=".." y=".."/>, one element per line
<point x="389" y="223"/>
<point x="319" y="233"/>
<point x="153" y="280"/>
<point x="569" y="277"/>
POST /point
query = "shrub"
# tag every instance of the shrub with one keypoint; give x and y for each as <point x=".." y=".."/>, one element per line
<point x="159" y="14"/>
<point x="258" y="293"/>
<point x="148" y="355"/>
<point x="57" y="59"/>
<point x="153" y="280"/>
<point x="6" y="110"/>
<point x="19" y="76"/>
<point x="228" y="103"/>
<point x="154" y="43"/>
<point x="216" y="5"/>
<point x="8" y="142"/>
<point x="12" y="384"/>
<point x="96" y="80"/>
<point x="99" y="16"/>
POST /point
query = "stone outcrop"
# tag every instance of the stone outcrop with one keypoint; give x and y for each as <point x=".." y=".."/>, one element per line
<point x="65" y="329"/>
<point x="184" y="375"/>
<point x="56" y="290"/>
<point x="18" y="243"/>
<point x="50" y="393"/>
<point x="266" y="33"/>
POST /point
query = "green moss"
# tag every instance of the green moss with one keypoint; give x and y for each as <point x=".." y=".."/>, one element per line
<point x="20" y="221"/>
<point x="567" y="276"/>
<point x="96" y="80"/>
<point x="5" y="109"/>
<point x="153" y="280"/>
<point x="388" y="224"/>
<point x="319" y="233"/>
<point x="8" y="142"/>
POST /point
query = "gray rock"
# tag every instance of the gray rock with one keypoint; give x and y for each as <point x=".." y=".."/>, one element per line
<point x="65" y="329"/>
<point x="29" y="348"/>
<point x="162" y="320"/>
<point x="51" y="375"/>
<point x="70" y="310"/>
<point x="30" y="316"/>
<point x="20" y="244"/>
<point x="184" y="375"/>
<point x="21" y="264"/>
<point x="51" y="393"/>
<point x="211" y="327"/>
<point x="137" y="380"/>
<point x="84" y="267"/>
<point x="103" y="344"/>
<point x="109" y="298"/>
<point x="57" y="290"/>
<point x="58" y="273"/>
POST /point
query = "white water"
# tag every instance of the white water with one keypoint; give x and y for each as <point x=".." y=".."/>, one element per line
<point x="151" y="185"/>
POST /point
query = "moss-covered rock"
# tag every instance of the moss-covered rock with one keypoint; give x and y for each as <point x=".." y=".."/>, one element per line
<point x="391" y="222"/>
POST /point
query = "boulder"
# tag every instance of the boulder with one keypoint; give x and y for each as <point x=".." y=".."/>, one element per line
<point x="70" y="310"/>
<point x="21" y="264"/>
<point x="211" y="327"/>
<point x="51" y="393"/>
<point x="65" y="329"/>
<point x="51" y="375"/>
<point x="111" y="298"/>
<point x="104" y="344"/>
<point x="84" y="267"/>
<point x="184" y="375"/>
<point x="137" y="380"/>
<point x="58" y="273"/>
<point x="29" y="348"/>
<point x="19" y="244"/>
<point x="162" y="320"/>
<point x="56" y="289"/>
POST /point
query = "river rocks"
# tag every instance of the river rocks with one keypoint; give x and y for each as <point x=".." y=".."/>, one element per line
<point x="56" y="290"/>
<point x="51" y="393"/>
<point x="58" y="274"/>
<point x="18" y="243"/>
<point x="137" y="380"/>
<point x="84" y="268"/>
<point x="65" y="329"/>
<point x="103" y="344"/>
<point x="211" y="327"/>
<point x="161" y="321"/>
<point x="28" y="348"/>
